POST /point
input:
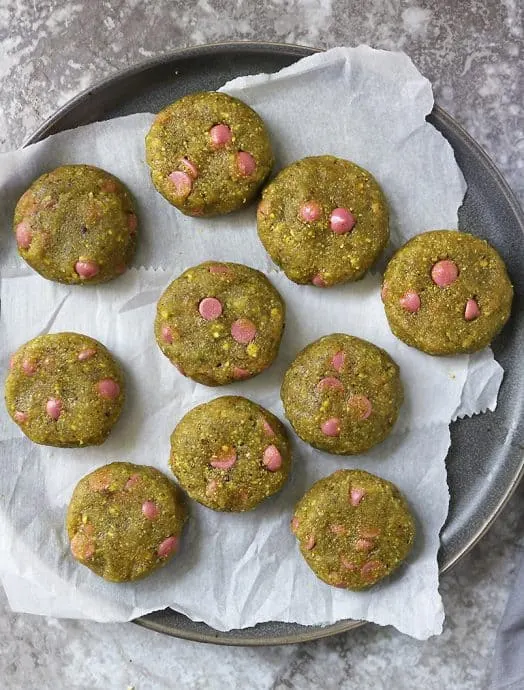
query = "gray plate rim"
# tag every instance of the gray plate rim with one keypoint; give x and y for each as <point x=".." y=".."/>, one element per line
<point x="53" y="124"/>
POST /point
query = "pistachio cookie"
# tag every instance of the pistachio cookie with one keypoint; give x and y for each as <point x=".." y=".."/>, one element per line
<point x="342" y="394"/>
<point x="230" y="454"/>
<point x="446" y="292"/>
<point x="220" y="322"/>
<point x="353" y="529"/>
<point x="323" y="220"/>
<point x="76" y="224"/>
<point x="64" y="389"/>
<point x="209" y="153"/>
<point x="124" y="521"/>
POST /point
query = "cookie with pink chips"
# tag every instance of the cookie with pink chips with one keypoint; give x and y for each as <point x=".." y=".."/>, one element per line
<point x="323" y="220"/>
<point x="447" y="292"/>
<point x="353" y="529"/>
<point x="65" y="390"/>
<point x="209" y="153"/>
<point x="124" y="521"/>
<point x="342" y="394"/>
<point x="220" y="322"/>
<point x="230" y="454"/>
<point x="76" y="224"/>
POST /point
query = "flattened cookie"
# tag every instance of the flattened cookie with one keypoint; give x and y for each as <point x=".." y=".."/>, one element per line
<point x="353" y="529"/>
<point x="220" y="322"/>
<point x="323" y="220"/>
<point x="209" y="153"/>
<point x="64" y="389"/>
<point x="342" y="394"/>
<point x="230" y="454"/>
<point x="124" y="521"/>
<point x="446" y="292"/>
<point x="76" y="224"/>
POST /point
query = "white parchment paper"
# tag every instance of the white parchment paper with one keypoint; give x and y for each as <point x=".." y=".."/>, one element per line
<point x="237" y="570"/>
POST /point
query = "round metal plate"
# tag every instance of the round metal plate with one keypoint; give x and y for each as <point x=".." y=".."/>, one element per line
<point x="486" y="460"/>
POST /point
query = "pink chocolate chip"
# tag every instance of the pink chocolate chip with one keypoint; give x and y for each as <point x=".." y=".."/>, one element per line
<point x="190" y="167"/>
<point x="294" y="524"/>
<point x="341" y="221"/>
<point x="132" y="481"/>
<point x="100" y="480"/>
<point x="167" y="335"/>
<point x="246" y="164"/>
<point x="318" y="281"/>
<point x="243" y="331"/>
<point x="220" y="135"/>
<point x="20" y="416"/>
<point x="272" y="460"/>
<point x="218" y="268"/>
<point x="89" y="550"/>
<point x="338" y="360"/>
<point x="370" y="533"/>
<point x="384" y="291"/>
<point x="263" y="208"/>
<point x="444" y="273"/>
<point x="410" y="301"/>
<point x="310" y="542"/>
<point x="11" y="361"/>
<point x="108" y="389"/>
<point x="87" y="269"/>
<point x="86" y="354"/>
<point x="268" y="429"/>
<point x="330" y="382"/>
<point x="28" y="367"/>
<point x="23" y="235"/>
<point x="363" y="545"/>
<point x="239" y="373"/>
<point x="132" y="222"/>
<point x="348" y="565"/>
<point x="356" y="495"/>
<point x="182" y="183"/>
<point x="370" y="568"/>
<point x="225" y="460"/>
<point x="210" y="308"/>
<point x="472" y="310"/>
<point x="331" y="427"/>
<point x="360" y="405"/>
<point x="338" y="529"/>
<point x="53" y="407"/>
<point x="108" y="186"/>
<point x="310" y="212"/>
<point x="82" y="546"/>
<point x="167" y="547"/>
<point x="150" y="510"/>
<point x="211" y="487"/>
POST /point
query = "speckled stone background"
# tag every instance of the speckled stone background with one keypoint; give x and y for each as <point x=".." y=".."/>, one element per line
<point x="473" y="53"/>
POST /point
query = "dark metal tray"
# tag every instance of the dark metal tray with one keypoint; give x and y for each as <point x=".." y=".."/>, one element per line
<point x="486" y="460"/>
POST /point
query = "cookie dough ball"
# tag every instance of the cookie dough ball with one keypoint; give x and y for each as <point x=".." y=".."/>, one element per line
<point x="64" y="389"/>
<point x="446" y="292"/>
<point x="76" y="224"/>
<point x="220" y="322"/>
<point x="353" y="528"/>
<point x="209" y="153"/>
<point x="230" y="454"/>
<point x="124" y="521"/>
<point x="342" y="394"/>
<point x="323" y="220"/>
